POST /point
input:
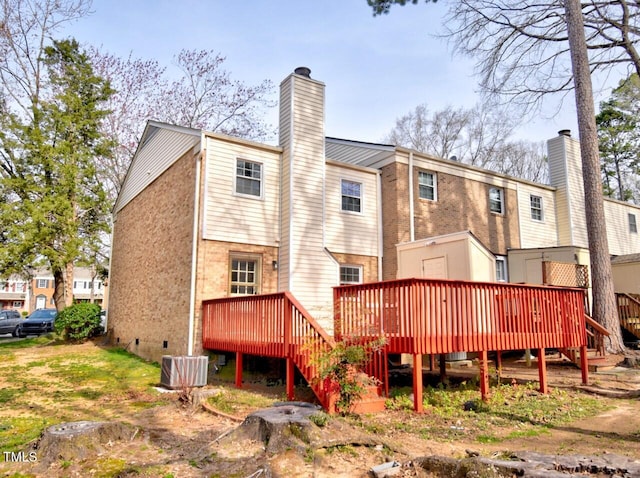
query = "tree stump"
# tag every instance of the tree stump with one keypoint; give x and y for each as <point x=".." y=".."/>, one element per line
<point x="75" y="441"/>
<point x="283" y="427"/>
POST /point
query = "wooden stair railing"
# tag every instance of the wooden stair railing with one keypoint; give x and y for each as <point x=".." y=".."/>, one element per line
<point x="629" y="313"/>
<point x="274" y="325"/>
<point x="595" y="337"/>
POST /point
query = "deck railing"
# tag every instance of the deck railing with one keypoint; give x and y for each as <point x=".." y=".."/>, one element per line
<point x="427" y="316"/>
<point x="629" y="312"/>
<point x="274" y="325"/>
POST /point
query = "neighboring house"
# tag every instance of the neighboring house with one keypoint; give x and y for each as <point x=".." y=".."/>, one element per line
<point x="14" y="294"/>
<point x="26" y="296"/>
<point x="204" y="215"/>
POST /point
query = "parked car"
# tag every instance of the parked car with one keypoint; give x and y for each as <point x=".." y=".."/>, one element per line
<point x="9" y="322"/>
<point x="38" y="322"/>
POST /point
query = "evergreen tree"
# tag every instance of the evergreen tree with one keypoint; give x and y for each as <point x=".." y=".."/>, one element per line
<point x="55" y="209"/>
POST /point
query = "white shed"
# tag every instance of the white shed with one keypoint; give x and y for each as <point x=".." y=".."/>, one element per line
<point x="459" y="256"/>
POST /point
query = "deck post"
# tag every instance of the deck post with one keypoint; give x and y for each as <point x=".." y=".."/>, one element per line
<point x="484" y="375"/>
<point x="584" y="365"/>
<point x="443" y="368"/>
<point x="542" y="371"/>
<point x="239" y="358"/>
<point x="290" y="378"/>
<point x="499" y="361"/>
<point x="417" y="383"/>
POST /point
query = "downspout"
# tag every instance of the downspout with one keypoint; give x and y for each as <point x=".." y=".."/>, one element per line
<point x="412" y="232"/>
<point x="380" y="229"/>
<point x="194" y="251"/>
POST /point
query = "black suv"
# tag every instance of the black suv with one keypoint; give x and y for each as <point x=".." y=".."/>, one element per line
<point x="10" y="322"/>
<point x="39" y="322"/>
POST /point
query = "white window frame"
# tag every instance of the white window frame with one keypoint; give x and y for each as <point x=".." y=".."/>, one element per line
<point x="257" y="274"/>
<point x="42" y="283"/>
<point x="17" y="304"/>
<point x="360" y="197"/>
<point x="501" y="264"/>
<point x="433" y="187"/>
<point x="359" y="268"/>
<point x="500" y="199"/>
<point x="539" y="209"/>
<point x="633" y="224"/>
<point x="259" y="180"/>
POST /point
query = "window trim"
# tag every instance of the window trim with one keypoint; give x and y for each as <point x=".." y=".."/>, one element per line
<point x="502" y="260"/>
<point x="633" y="225"/>
<point x="540" y="209"/>
<point x="434" y="186"/>
<point x="42" y="281"/>
<point x="357" y="267"/>
<point x="361" y="197"/>
<point x="260" y="181"/>
<point x="239" y="256"/>
<point x="501" y="191"/>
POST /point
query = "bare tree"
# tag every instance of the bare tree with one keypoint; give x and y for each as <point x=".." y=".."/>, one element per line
<point x="521" y="47"/>
<point x="204" y="96"/>
<point x="478" y="136"/>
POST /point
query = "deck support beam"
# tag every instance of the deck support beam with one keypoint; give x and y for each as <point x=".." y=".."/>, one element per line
<point x="542" y="371"/>
<point x="239" y="357"/>
<point x="417" y="383"/>
<point x="290" y="378"/>
<point x="584" y="365"/>
<point x="484" y="375"/>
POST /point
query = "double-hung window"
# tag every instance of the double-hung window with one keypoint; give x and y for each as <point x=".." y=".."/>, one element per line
<point x="350" y="275"/>
<point x="633" y="226"/>
<point x="496" y="200"/>
<point x="351" y="196"/>
<point x="248" y="178"/>
<point x="42" y="283"/>
<point x="536" y="207"/>
<point x="427" y="185"/>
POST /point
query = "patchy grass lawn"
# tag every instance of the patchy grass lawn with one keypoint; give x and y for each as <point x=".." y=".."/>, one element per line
<point x="57" y="383"/>
<point x="43" y="382"/>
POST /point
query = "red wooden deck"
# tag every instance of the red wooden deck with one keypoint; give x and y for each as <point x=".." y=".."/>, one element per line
<point x="415" y="316"/>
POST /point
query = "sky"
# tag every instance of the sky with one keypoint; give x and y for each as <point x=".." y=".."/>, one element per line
<point x="375" y="69"/>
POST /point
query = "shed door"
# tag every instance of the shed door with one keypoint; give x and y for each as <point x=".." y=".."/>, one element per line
<point x="534" y="271"/>
<point x="435" y="268"/>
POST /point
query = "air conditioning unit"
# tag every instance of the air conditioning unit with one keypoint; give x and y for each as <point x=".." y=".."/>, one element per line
<point x="183" y="371"/>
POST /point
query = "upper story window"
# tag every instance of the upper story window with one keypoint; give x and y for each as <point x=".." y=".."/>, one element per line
<point x="351" y="196"/>
<point x="536" y="207"/>
<point x="248" y="178"/>
<point x="350" y="275"/>
<point x="427" y="185"/>
<point x="633" y="226"/>
<point x="42" y="283"/>
<point x="496" y="200"/>
<point x="501" y="269"/>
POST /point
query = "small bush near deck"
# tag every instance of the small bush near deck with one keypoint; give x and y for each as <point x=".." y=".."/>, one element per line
<point x="79" y="322"/>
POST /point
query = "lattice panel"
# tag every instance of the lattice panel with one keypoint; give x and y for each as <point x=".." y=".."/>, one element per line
<point x="565" y="274"/>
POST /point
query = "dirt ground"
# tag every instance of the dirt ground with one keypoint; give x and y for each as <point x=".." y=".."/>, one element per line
<point x="171" y="440"/>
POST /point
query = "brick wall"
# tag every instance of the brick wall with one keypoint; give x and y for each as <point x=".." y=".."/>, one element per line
<point x="213" y="273"/>
<point x="462" y="204"/>
<point x="151" y="265"/>
<point x="369" y="264"/>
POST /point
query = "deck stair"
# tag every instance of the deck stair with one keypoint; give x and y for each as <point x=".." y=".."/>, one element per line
<point x="596" y="355"/>
<point x="629" y="313"/>
<point x="277" y="325"/>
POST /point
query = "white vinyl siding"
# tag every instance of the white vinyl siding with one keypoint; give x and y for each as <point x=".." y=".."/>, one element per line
<point x="240" y="218"/>
<point x="154" y="157"/>
<point x="304" y="261"/>
<point x="535" y="233"/>
<point x="351" y="233"/>
<point x="619" y="234"/>
<point x="565" y="173"/>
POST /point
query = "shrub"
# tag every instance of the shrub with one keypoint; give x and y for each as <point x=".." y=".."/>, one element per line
<point x="79" y="322"/>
